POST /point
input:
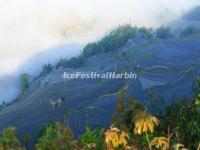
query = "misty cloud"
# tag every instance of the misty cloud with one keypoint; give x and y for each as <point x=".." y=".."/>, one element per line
<point x="29" y="27"/>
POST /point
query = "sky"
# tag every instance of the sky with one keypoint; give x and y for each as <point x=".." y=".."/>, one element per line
<point x="31" y="27"/>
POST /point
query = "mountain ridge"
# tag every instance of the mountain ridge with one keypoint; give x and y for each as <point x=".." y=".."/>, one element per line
<point x="167" y="66"/>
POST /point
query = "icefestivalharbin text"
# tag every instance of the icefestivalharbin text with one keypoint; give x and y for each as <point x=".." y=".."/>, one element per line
<point x="95" y="75"/>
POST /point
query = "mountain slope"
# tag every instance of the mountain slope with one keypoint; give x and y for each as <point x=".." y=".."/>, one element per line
<point x="167" y="70"/>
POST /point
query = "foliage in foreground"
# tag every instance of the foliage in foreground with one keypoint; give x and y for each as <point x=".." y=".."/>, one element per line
<point x="9" y="140"/>
<point x="93" y="138"/>
<point x="132" y="128"/>
<point x="56" y="136"/>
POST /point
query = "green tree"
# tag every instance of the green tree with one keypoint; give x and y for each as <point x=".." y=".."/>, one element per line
<point x="95" y="137"/>
<point x="26" y="140"/>
<point x="24" y="81"/>
<point x="190" y="31"/>
<point x="184" y="122"/>
<point x="126" y="108"/>
<point x="164" y="33"/>
<point x="111" y="42"/>
<point x="73" y="62"/>
<point x="9" y="140"/>
<point x="55" y="136"/>
<point x="47" y="68"/>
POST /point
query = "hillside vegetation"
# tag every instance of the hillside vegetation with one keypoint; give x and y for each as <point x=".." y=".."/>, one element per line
<point x="132" y="128"/>
<point x="159" y="110"/>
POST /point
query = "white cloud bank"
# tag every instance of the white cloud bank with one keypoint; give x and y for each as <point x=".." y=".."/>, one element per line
<point x="28" y="27"/>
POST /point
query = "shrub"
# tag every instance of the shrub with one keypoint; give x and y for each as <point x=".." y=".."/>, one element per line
<point x="93" y="137"/>
<point x="113" y="41"/>
<point x="90" y="50"/>
<point x="117" y="38"/>
<point x="55" y="137"/>
<point x="190" y="31"/>
<point x="3" y="105"/>
<point x="9" y="140"/>
<point x="24" y="81"/>
<point x="146" y="31"/>
<point x="74" y="62"/>
<point x="126" y="108"/>
<point x="184" y="122"/>
<point x="163" y="33"/>
<point x="26" y="139"/>
<point x="47" y="68"/>
<point x="60" y="63"/>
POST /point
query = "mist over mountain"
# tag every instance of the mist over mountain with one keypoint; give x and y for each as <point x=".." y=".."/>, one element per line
<point x="30" y="29"/>
<point x="193" y="15"/>
<point x="167" y="65"/>
<point x="10" y="86"/>
<point x="191" y="18"/>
